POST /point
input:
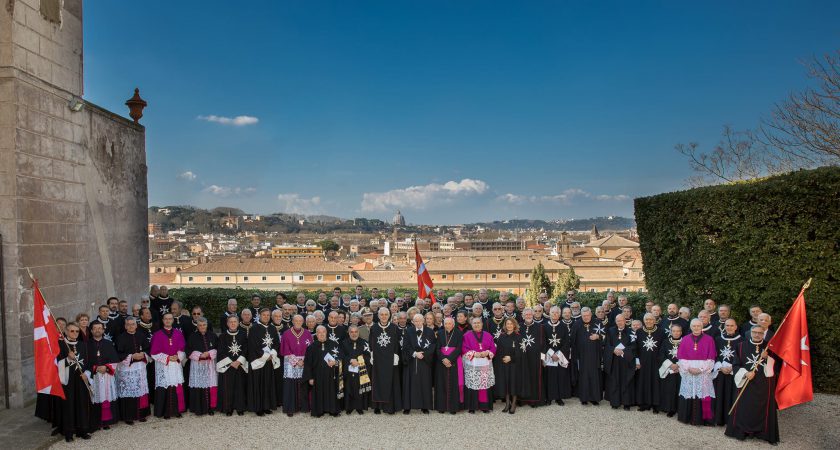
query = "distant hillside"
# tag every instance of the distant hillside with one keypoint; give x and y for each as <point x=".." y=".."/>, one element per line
<point x="603" y="223"/>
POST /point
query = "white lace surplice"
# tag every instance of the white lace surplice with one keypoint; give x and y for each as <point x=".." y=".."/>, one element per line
<point x="168" y="373"/>
<point x="104" y="386"/>
<point x="203" y="372"/>
<point x="131" y="378"/>
<point x="696" y="386"/>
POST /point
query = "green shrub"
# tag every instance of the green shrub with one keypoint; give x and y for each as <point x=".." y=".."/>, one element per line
<point x="752" y="243"/>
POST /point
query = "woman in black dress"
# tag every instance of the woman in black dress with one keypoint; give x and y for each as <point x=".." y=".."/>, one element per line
<point x="505" y="364"/>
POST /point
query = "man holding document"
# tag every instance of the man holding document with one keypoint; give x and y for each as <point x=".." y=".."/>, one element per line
<point x="557" y="374"/>
<point x="322" y="370"/>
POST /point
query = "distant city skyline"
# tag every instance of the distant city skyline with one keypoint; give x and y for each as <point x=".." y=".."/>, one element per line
<point x="452" y="112"/>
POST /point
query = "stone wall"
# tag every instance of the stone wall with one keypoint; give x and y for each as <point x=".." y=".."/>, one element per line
<point x="72" y="184"/>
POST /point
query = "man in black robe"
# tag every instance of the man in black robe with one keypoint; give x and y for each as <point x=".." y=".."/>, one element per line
<point x="232" y="366"/>
<point x="418" y="358"/>
<point x="755" y="413"/>
<point x="725" y="391"/>
<point x="557" y="368"/>
<point x="161" y="304"/>
<point x="668" y="365"/>
<point x="280" y="326"/>
<point x="255" y="305"/>
<point x="335" y="331"/>
<point x="230" y="311"/>
<point x="620" y="364"/>
<point x="101" y="363"/>
<point x="322" y="369"/>
<point x="262" y="351"/>
<point x="110" y="327"/>
<point x="447" y="392"/>
<point x="76" y="407"/>
<point x="533" y="346"/>
<point x="587" y="348"/>
<point x="674" y="318"/>
<point x="356" y="353"/>
<point x="133" y="350"/>
<point x="495" y="323"/>
<point x="386" y="392"/>
<point x="648" y="344"/>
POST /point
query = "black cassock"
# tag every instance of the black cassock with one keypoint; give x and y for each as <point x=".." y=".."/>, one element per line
<point x="507" y="374"/>
<point x="201" y="401"/>
<point x="325" y="388"/>
<point x="725" y="390"/>
<point x="101" y="353"/>
<point x="495" y="327"/>
<point x="128" y="344"/>
<point x="648" y="344"/>
<point x="669" y="387"/>
<point x="356" y="396"/>
<point x="75" y="409"/>
<point x="587" y="354"/>
<point x="755" y="414"/>
<point x="447" y="391"/>
<point x="336" y="334"/>
<point x="262" y="339"/>
<point x="159" y="306"/>
<point x="620" y="369"/>
<point x="386" y="391"/>
<point x="533" y="345"/>
<point x="231" y="391"/>
<point x="278" y="372"/>
<point x="558" y="379"/>
<point x="417" y="373"/>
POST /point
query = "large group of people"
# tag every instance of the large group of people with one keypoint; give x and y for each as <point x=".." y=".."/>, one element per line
<point x="355" y="352"/>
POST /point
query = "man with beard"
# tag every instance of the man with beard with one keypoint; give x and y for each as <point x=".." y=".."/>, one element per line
<point x="132" y="381"/>
<point x="711" y="307"/>
<point x="202" y="347"/>
<point x="620" y="364"/>
<point x="232" y="368"/>
<point x="262" y="356"/>
<point x="386" y="391"/>
<point x="587" y="347"/>
<point x="669" y="372"/>
<point x="726" y="343"/>
<point x="255" y="305"/>
<point x="418" y="352"/>
<point x="724" y="314"/>
<point x="322" y="370"/>
<point x="533" y="346"/>
<point x="294" y="343"/>
<point x="675" y="319"/>
<point x="300" y="303"/>
<point x="100" y="367"/>
<point x="356" y="353"/>
<point x="558" y="378"/>
<point x="484" y="301"/>
<point x="167" y="349"/>
<point x="755" y="414"/>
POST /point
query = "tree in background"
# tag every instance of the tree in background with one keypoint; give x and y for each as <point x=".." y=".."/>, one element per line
<point x="539" y="283"/>
<point x="566" y="281"/>
<point x="802" y="132"/>
<point x="328" y="245"/>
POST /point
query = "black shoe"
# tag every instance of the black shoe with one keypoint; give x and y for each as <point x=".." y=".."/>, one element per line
<point x="560" y="402"/>
<point x="583" y="403"/>
<point x="472" y="411"/>
<point x="210" y="413"/>
<point x="84" y="436"/>
<point x="671" y="414"/>
<point x="485" y="411"/>
<point x="177" y="416"/>
<point x="106" y="427"/>
<point x="129" y="422"/>
<point x="260" y="414"/>
<point x="360" y="411"/>
<point x="68" y="438"/>
<point x="452" y="412"/>
<point x="425" y="411"/>
<point x="334" y="414"/>
<point x="533" y="405"/>
<point x="229" y="413"/>
<point x="55" y="431"/>
<point x="142" y="419"/>
<point x="615" y="407"/>
<point x="268" y="411"/>
<point x="627" y="408"/>
<point x="406" y="411"/>
<point x="595" y="403"/>
<point x="656" y="410"/>
<point x="507" y="408"/>
<point x="240" y="413"/>
<point x="376" y="411"/>
<point x="289" y="414"/>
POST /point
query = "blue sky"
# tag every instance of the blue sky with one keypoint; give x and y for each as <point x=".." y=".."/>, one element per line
<point x="452" y="111"/>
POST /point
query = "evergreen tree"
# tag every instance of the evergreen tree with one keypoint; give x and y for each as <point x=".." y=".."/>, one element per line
<point x="567" y="281"/>
<point x="539" y="283"/>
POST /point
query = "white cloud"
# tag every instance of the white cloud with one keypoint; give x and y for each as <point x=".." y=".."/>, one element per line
<point x="566" y="197"/>
<point x="228" y="191"/>
<point x="238" y="121"/>
<point x="420" y="197"/>
<point x="188" y="176"/>
<point x="295" y="204"/>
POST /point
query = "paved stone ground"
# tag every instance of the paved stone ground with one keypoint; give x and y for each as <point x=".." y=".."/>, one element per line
<point x="810" y="426"/>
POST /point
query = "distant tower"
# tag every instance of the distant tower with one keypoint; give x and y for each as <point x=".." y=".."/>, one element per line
<point x="397" y="221"/>
<point x="564" y="246"/>
<point x="594" y="235"/>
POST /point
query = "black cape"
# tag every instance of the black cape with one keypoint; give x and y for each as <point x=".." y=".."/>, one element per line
<point x="534" y="344"/>
<point x="447" y="392"/>
<point x="262" y="396"/>
<point x="386" y="390"/>
<point x="725" y="390"/>
<point x="324" y="380"/>
<point x="755" y="414"/>
<point x="417" y="373"/>
<point x="586" y="357"/>
<point x="356" y="396"/>
<point x="648" y="387"/>
<point x="231" y="391"/>
<point x="620" y="370"/>
<point x="558" y="379"/>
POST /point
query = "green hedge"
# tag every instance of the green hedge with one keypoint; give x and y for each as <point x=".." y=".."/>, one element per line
<point x="752" y="243"/>
<point x="214" y="300"/>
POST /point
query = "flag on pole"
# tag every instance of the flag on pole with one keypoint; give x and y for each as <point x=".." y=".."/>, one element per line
<point x="46" y="347"/>
<point x="791" y="345"/>
<point x="424" y="280"/>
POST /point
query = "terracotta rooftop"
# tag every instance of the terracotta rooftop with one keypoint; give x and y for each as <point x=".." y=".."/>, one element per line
<point x="613" y="241"/>
<point x="268" y="265"/>
<point x="492" y="264"/>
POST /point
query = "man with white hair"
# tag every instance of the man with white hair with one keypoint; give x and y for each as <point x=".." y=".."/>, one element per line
<point x="484" y="300"/>
<point x="386" y="392"/>
<point x="558" y="378"/>
<point x="650" y="339"/>
<point x="533" y="347"/>
<point x="417" y="355"/>
<point x="620" y="364"/>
